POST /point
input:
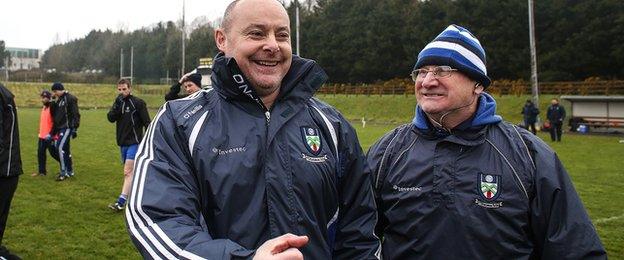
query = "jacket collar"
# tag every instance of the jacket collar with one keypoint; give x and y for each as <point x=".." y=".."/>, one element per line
<point x="471" y="131"/>
<point x="303" y="79"/>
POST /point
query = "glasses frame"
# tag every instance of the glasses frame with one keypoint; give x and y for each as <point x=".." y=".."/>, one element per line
<point x="435" y="70"/>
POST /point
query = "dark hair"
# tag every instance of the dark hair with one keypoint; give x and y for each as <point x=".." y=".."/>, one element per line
<point x="124" y="81"/>
<point x="226" y="23"/>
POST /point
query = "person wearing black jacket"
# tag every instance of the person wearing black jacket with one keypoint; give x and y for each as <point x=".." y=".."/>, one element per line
<point x="530" y="112"/>
<point x="130" y="114"/>
<point x="66" y="119"/>
<point x="555" y="115"/>
<point x="10" y="160"/>
<point x="191" y="82"/>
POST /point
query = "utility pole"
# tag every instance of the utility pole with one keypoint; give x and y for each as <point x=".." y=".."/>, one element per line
<point x="6" y="69"/>
<point x="121" y="64"/>
<point x="132" y="65"/>
<point x="183" y="35"/>
<point x="534" y="85"/>
<point x="297" y="24"/>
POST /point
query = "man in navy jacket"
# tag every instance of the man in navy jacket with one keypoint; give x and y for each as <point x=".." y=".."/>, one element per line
<point x="460" y="183"/>
<point x="66" y="117"/>
<point x="257" y="167"/>
<point x="555" y="115"/>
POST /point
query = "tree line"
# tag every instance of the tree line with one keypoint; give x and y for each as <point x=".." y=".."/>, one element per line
<point x="363" y="41"/>
<point x="4" y="54"/>
<point x="157" y="52"/>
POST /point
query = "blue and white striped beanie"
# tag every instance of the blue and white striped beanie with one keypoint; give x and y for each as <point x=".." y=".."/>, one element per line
<point x="458" y="48"/>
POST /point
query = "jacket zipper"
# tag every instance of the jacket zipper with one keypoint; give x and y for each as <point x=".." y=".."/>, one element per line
<point x="136" y="137"/>
<point x="267" y="114"/>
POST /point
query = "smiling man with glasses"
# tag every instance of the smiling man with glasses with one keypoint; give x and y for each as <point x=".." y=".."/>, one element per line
<point x="458" y="182"/>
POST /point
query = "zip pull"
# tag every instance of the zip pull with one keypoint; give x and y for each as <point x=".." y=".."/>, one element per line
<point x="267" y="114"/>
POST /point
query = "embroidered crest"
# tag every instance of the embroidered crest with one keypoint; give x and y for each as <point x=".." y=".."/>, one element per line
<point x="489" y="186"/>
<point x="312" y="139"/>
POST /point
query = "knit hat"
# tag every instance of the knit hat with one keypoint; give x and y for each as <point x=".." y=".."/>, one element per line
<point x="458" y="48"/>
<point x="46" y="94"/>
<point x="195" y="78"/>
<point x="57" y="86"/>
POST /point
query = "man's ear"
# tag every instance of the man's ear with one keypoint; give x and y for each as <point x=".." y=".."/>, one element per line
<point x="220" y="39"/>
<point x="478" y="89"/>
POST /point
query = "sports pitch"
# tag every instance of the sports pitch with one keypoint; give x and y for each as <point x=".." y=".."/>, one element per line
<point x="70" y="220"/>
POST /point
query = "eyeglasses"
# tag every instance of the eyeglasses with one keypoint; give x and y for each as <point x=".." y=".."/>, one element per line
<point x="438" y="72"/>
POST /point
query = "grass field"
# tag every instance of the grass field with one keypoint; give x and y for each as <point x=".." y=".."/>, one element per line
<point x="69" y="220"/>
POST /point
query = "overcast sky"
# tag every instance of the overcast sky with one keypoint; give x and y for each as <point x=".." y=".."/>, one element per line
<point x="37" y="23"/>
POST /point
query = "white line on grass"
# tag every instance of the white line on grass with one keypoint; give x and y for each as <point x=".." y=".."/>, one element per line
<point x="609" y="219"/>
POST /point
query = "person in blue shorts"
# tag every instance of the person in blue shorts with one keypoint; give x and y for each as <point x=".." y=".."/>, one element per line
<point x="131" y="116"/>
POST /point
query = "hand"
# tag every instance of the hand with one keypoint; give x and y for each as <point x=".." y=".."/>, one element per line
<point x="118" y="101"/>
<point x="74" y="133"/>
<point x="48" y="137"/>
<point x="282" y="247"/>
<point x="185" y="76"/>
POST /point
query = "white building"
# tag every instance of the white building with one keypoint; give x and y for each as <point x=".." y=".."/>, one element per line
<point x="24" y="59"/>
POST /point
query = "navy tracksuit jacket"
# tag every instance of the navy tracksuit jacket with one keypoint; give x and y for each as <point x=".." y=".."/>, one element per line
<point x="217" y="174"/>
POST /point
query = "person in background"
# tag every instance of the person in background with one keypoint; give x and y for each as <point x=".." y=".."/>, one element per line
<point x="66" y="117"/>
<point x="530" y="112"/>
<point x="459" y="182"/>
<point x="46" y="140"/>
<point x="555" y="115"/>
<point x="131" y="117"/>
<point x="191" y="82"/>
<point x="10" y="161"/>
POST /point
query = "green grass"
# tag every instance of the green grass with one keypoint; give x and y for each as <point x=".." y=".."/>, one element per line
<point x="69" y="220"/>
<point x="89" y="95"/>
<point x="398" y="109"/>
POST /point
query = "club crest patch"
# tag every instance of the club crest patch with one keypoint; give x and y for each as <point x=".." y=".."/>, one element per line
<point x="312" y="139"/>
<point x="489" y="186"/>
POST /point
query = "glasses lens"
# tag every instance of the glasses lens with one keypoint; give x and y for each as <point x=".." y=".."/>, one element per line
<point x="422" y="73"/>
<point x="414" y="75"/>
<point x="442" y="71"/>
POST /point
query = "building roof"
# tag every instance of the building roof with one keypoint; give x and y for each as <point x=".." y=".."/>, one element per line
<point x="593" y="98"/>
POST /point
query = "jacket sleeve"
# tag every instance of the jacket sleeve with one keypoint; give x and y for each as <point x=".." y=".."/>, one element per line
<point x="559" y="222"/>
<point x="2" y="111"/>
<point x="173" y="92"/>
<point x="115" y="111"/>
<point x="164" y="210"/>
<point x="548" y="114"/>
<point x="375" y="167"/>
<point x="355" y="236"/>
<point x="144" y="115"/>
<point x="73" y="107"/>
<point x="53" y="108"/>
